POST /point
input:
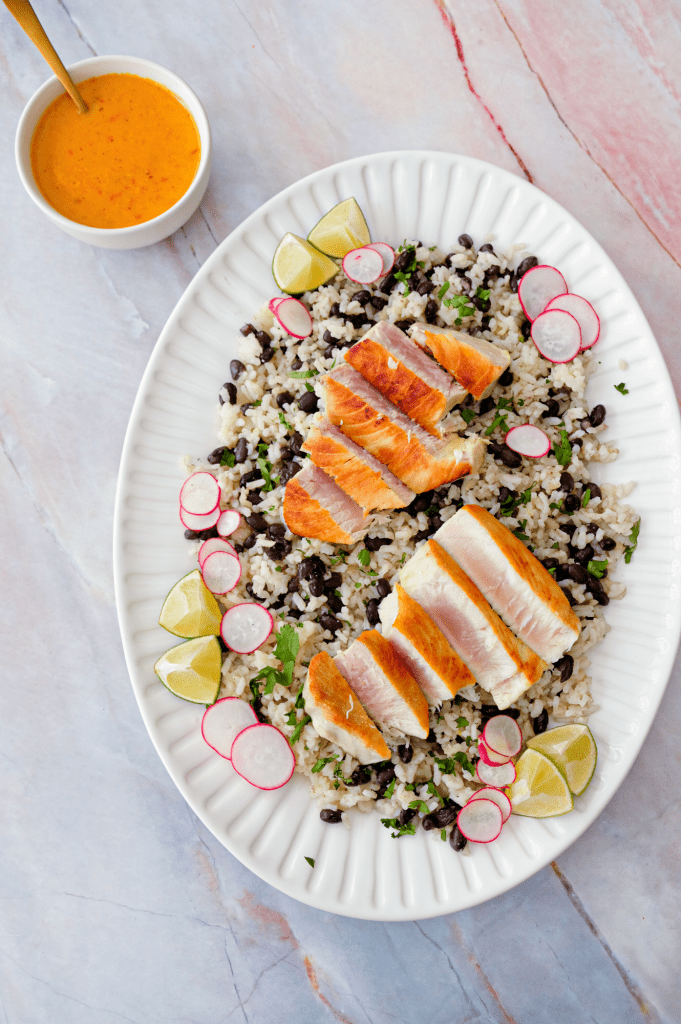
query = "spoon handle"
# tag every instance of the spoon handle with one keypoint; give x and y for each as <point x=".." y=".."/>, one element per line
<point x="27" y="18"/>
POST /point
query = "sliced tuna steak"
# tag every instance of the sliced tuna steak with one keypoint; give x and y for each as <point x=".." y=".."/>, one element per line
<point x="337" y="713"/>
<point x="435" y="665"/>
<point x="358" y="473"/>
<point x="474" y="363"/>
<point x="514" y="582"/>
<point x="315" y="506"/>
<point x="420" y="460"/>
<point x="382" y="681"/>
<point x="402" y="373"/>
<point x="499" y="661"/>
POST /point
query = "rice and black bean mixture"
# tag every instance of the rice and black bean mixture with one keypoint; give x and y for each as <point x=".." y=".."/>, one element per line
<point x="576" y="527"/>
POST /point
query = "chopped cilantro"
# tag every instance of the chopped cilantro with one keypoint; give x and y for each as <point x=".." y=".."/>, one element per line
<point x="563" y="450"/>
<point x="228" y="459"/>
<point x="633" y="537"/>
<point x="597" y="568"/>
<point x="364" y="557"/>
<point x="255" y="688"/>
<point x="461" y="723"/>
<point x="510" y="504"/>
<point x="443" y="290"/>
<point x="303" y="374"/>
<point x="403" y="275"/>
<point x="300" y="703"/>
<point x="467" y="415"/>
<point x="552" y="570"/>
<point x="556" y="545"/>
<point x="310" y="861"/>
<point x="434" y="791"/>
<point x="482" y="293"/>
<point x="336" y="784"/>
<point x="257" y="404"/>
<point x="401" y="830"/>
<point x="403" y="558"/>
<point x="521" y="403"/>
<point x="499" y="421"/>
<point x="504" y="403"/>
<point x="286" y="650"/>
<point x="447" y="765"/>
<point x="391" y="788"/>
<point x="308" y="386"/>
<point x="278" y="568"/>
<point x="420" y="805"/>
<point x="460" y="303"/>
<point x="587" y="497"/>
<point x="520" y="532"/>
<point x="284" y="422"/>
<point x="443" y="835"/>
<point x="622" y="389"/>
<point x="295" y="735"/>
<point x="322" y="762"/>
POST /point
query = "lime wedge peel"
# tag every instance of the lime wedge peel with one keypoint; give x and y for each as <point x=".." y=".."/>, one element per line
<point x="299" y="267"/>
<point x="540" y="789"/>
<point x="190" y="610"/>
<point x="341" y="229"/>
<point x="192" y="670"/>
<point x="572" y="749"/>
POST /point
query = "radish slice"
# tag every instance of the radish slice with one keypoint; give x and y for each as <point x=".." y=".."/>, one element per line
<point x="496" y="796"/>
<point x="228" y="522"/>
<point x="294" y="317"/>
<point x="199" y="523"/>
<point x="200" y="494"/>
<point x="503" y="736"/>
<point x="273" y="303"/>
<point x="223" y="721"/>
<point x="214" y="544"/>
<point x="387" y="254"/>
<point x="363" y="265"/>
<point x="262" y="756"/>
<point x="528" y="440"/>
<point x="490" y="757"/>
<point x="583" y="312"/>
<point x="537" y="287"/>
<point x="245" y="627"/>
<point x="221" y="572"/>
<point x="498" y="776"/>
<point x="480" y="821"/>
<point x="557" y="335"/>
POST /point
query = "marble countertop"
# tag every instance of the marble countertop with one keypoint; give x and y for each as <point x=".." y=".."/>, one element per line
<point x="116" y="904"/>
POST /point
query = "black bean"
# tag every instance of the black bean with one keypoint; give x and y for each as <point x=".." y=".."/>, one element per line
<point x="550" y="563"/>
<point x="359" y="777"/>
<point x="562" y="573"/>
<point x="404" y="325"/>
<point x="251" y="593"/>
<point x="567" y="481"/>
<point x="601" y="597"/>
<point x="335" y="310"/>
<point x="293" y="585"/>
<point x="284" y="398"/>
<point x="505" y="493"/>
<point x="597" y="415"/>
<point x="279" y="550"/>
<point x="570" y="599"/>
<point x="328" y="351"/>
<point x="425" y="287"/>
<point x="405" y="752"/>
<point x="594" y="488"/>
<point x="257" y="522"/>
<point x="362" y="297"/>
<point x="441" y="817"/>
<point x="491" y="711"/>
<point x="482" y="304"/>
<point x="334" y="581"/>
<point x="576" y="442"/>
<point x="565" y="666"/>
<point x="510" y="458"/>
<point x="404" y="258"/>
<point x="296" y="364"/>
<point x="571" y="503"/>
<point x="331" y="817"/>
<point x="266" y="355"/>
<point x="406" y="815"/>
<point x="296" y="442"/>
<point x="241" y="450"/>
<point x="335" y="603"/>
<point x="486" y="405"/>
<point x="434" y="524"/>
<point x="288" y="471"/>
<point x="540" y="723"/>
<point x="231" y="394"/>
<point x="316" y="586"/>
<point x="250" y="477"/>
<point x="377" y="302"/>
<point x="486" y="248"/>
<point x="430" y="312"/>
<point x="250" y="542"/>
<point x="372" y="612"/>
<point x="247" y="329"/>
<point x="286" y="454"/>
<point x="527" y="264"/>
<point x="568" y="528"/>
<point x="263" y="339"/>
<point x="457" y="839"/>
<point x="383" y="588"/>
<point x="585" y="555"/>
<point x="484" y="323"/>
<point x="309" y="402"/>
<point x="374" y="543"/>
<point x="466" y="241"/>
<point x="216" y="455"/>
<point x="311" y="566"/>
<point x="526" y="329"/>
<point x="506" y="378"/>
<point x="552" y="408"/>
<point x="207" y="534"/>
<point x="388" y="284"/>
<point x="327" y="621"/>
<point x="246" y="407"/>
<point x="385" y="776"/>
<point x="578" y="573"/>
<point x="421" y="503"/>
<point x="608" y="543"/>
<point x="191" y="535"/>
<point x="236" y="368"/>
<point x="276" y="531"/>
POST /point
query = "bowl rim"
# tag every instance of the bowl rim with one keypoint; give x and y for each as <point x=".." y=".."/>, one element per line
<point x="41" y="99"/>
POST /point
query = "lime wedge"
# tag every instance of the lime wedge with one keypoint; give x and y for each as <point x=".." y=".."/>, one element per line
<point x="572" y="748"/>
<point x="540" y="790"/>
<point x="192" y="669"/>
<point x="340" y="230"/>
<point x="298" y="267"/>
<point x="190" y="609"/>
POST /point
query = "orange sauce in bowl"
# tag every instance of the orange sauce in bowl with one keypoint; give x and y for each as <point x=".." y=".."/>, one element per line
<point x="128" y="159"/>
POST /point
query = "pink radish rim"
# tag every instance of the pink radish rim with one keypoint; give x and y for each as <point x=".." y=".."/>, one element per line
<point x="287" y="328"/>
<point x="481" y="795"/>
<point x="387" y="266"/>
<point x="495" y="767"/>
<point x="264" y="725"/>
<point x="243" y="604"/>
<point x="224" y="515"/>
<point x="524" y="427"/>
<point x="481" y="800"/>
<point x="347" y="259"/>
<point x="540" y="266"/>
<point x="212" y="554"/>
<point x="273" y="303"/>
<point x="210" y="708"/>
<point x="557" y="298"/>
<point x="197" y="523"/>
<point x="485" y="753"/>
<point x="519" y="737"/>
<point x="185" y="485"/>
<point x="551" y="312"/>
<point x="229" y="549"/>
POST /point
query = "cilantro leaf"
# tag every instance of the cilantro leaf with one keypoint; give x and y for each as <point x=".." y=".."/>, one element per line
<point x="322" y="762"/>
<point x="308" y="386"/>
<point x="443" y="835"/>
<point x="302" y="374"/>
<point x="310" y="861"/>
<point x="420" y="805"/>
<point x="467" y="415"/>
<point x="482" y="293"/>
<point x="434" y="791"/>
<point x="295" y="735"/>
<point x="622" y="389"/>
<point x="499" y="421"/>
<point x="587" y="497"/>
<point x="633" y="537"/>
<point x="461" y="723"/>
<point x="520" y="532"/>
<point x="265" y="467"/>
<point x="364" y="557"/>
<point x="443" y="290"/>
<point x="597" y="568"/>
<point x="284" y="422"/>
<point x="447" y="765"/>
<point x="228" y="459"/>
<point x="401" y="830"/>
<point x="288" y="644"/>
<point x="391" y="788"/>
<point x="460" y="303"/>
<point x="563" y="450"/>
<point x="510" y="504"/>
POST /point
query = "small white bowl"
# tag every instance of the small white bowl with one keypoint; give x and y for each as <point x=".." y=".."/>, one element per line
<point x="136" y="235"/>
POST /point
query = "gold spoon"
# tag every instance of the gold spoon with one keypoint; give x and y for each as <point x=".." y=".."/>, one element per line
<point x="27" y="18"/>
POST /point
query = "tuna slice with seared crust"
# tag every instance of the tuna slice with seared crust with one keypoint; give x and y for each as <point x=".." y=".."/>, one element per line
<point x="514" y="582"/>
<point x="474" y="363"/>
<point x="381" y="679"/>
<point x="358" y="473"/>
<point x="500" y="662"/>
<point x="337" y="714"/>
<point x="435" y="665"/>
<point x="315" y="506"/>
<point x="420" y="460"/>
<point x="402" y="373"/>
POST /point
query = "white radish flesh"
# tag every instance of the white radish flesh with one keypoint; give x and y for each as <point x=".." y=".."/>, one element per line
<point x="503" y="736"/>
<point x="200" y="494"/>
<point x="263" y="756"/>
<point x="489" y="756"/>
<point x="498" y="797"/>
<point x="228" y="522"/>
<point x="294" y="317"/>
<point x="557" y="336"/>
<point x="480" y="821"/>
<point x="583" y="312"/>
<point x="245" y="627"/>
<point x="199" y="523"/>
<point x="363" y="265"/>
<point x="498" y="776"/>
<point x="223" y="721"/>
<point x="221" y="572"/>
<point x="273" y="303"/>
<point x="214" y="544"/>
<point x="537" y="287"/>
<point x="528" y="440"/>
<point x="387" y="254"/>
